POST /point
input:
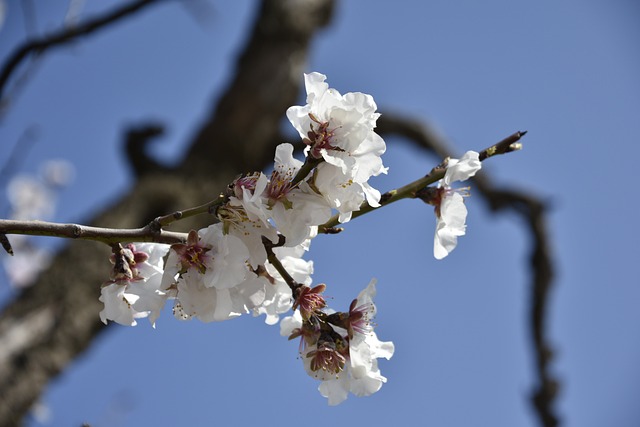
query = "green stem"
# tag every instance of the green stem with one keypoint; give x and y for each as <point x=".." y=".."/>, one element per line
<point x="404" y="192"/>
<point x="163" y="221"/>
<point x="309" y="164"/>
<point x="507" y="145"/>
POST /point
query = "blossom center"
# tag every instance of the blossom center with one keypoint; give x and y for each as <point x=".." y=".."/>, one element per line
<point x="435" y="196"/>
<point x="309" y="300"/>
<point x="360" y="318"/>
<point x="193" y="254"/>
<point x="327" y="358"/>
<point x="320" y="138"/>
<point x="280" y="185"/>
<point x="247" y="182"/>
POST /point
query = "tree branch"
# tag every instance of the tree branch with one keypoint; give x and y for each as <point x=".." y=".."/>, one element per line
<point x="39" y="45"/>
<point x="532" y="212"/>
<point x="412" y="189"/>
<point x="108" y="236"/>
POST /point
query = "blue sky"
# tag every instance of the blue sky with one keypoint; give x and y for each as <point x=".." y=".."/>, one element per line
<point x="565" y="71"/>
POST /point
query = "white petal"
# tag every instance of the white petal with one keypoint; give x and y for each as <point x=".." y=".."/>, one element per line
<point x="224" y="306"/>
<point x="116" y="307"/>
<point x="315" y="86"/>
<point x="463" y="169"/>
<point x="289" y="323"/>
<point x="450" y="225"/>
<point x="335" y="390"/>
<point x="369" y="384"/>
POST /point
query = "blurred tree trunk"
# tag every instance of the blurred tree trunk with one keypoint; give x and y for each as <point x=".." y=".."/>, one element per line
<point x="51" y="323"/>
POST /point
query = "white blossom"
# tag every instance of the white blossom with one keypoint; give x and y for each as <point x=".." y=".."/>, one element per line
<point x="345" y="362"/>
<point x="278" y="295"/>
<point x="359" y="382"/>
<point x="296" y="210"/>
<point x="128" y="298"/>
<point x="237" y="222"/>
<point x="210" y="304"/>
<point x="209" y="277"/>
<point x="451" y="213"/>
<point x="339" y="129"/>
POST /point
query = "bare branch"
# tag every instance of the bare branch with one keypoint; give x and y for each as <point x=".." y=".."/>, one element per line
<point x="507" y="145"/>
<point x="108" y="236"/>
<point x="412" y="189"/>
<point x="532" y="212"/>
<point x="39" y="45"/>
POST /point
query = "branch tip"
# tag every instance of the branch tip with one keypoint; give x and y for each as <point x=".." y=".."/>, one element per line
<point x="331" y="230"/>
<point x="6" y="245"/>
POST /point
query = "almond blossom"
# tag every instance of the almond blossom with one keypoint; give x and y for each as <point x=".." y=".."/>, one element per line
<point x="278" y="297"/>
<point x="260" y="206"/>
<point x="251" y="259"/>
<point x="339" y="130"/>
<point x="296" y="210"/>
<point x="136" y="292"/>
<point x="451" y="213"/>
<point x="343" y="351"/>
<point x="209" y="277"/>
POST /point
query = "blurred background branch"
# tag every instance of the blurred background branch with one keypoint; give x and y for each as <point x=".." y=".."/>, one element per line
<point x="38" y="45"/>
<point x="533" y="214"/>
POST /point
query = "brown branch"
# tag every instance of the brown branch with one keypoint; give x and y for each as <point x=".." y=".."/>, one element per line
<point x="412" y="190"/>
<point x="6" y="245"/>
<point x="507" y="145"/>
<point x="39" y="45"/>
<point x="532" y="212"/>
<point x="137" y="141"/>
<point x="108" y="236"/>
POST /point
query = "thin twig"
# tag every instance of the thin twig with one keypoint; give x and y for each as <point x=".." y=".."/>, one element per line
<point x="39" y="45"/>
<point x="507" y="145"/>
<point x="273" y="260"/>
<point x="410" y="190"/>
<point x="207" y="208"/>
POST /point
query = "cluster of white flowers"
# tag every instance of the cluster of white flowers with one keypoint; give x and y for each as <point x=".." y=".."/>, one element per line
<point x="228" y="269"/>
<point x="341" y="349"/>
<point x="339" y="130"/>
<point x="134" y="290"/>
